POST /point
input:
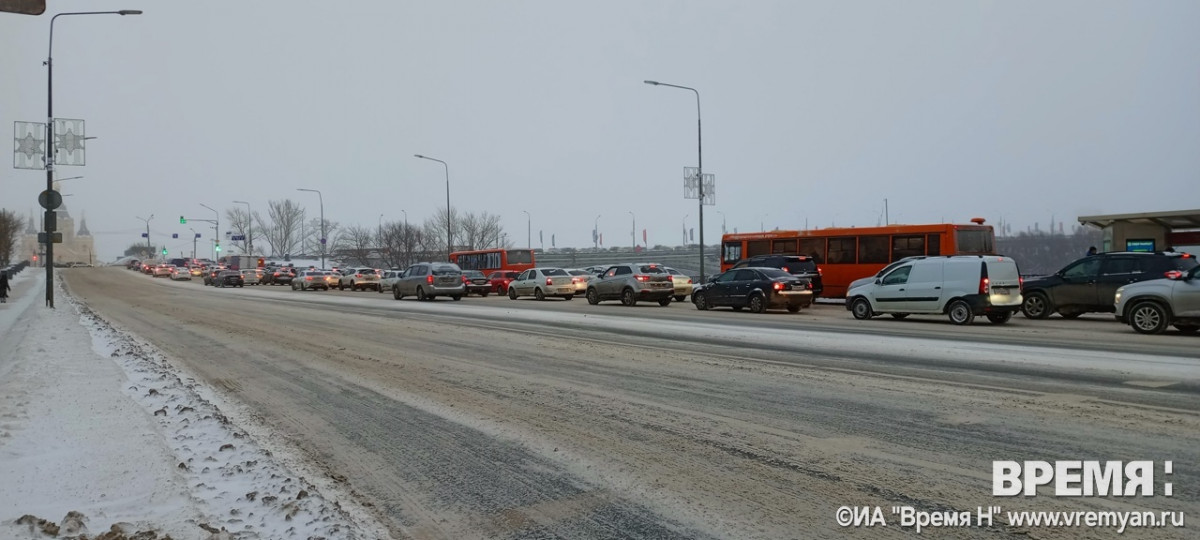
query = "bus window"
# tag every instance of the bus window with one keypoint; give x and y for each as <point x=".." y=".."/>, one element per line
<point x="841" y="250"/>
<point x="733" y="252"/>
<point x="907" y="246"/>
<point x="783" y="247"/>
<point x="520" y="256"/>
<point x="872" y="249"/>
<point x="813" y="247"/>
<point x="973" y="241"/>
<point x="757" y="247"/>
<point x="934" y="245"/>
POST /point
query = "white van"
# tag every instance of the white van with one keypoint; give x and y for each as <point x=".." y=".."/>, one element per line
<point x="960" y="286"/>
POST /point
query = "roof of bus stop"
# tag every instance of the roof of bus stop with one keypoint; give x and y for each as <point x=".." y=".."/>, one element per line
<point x="1171" y="220"/>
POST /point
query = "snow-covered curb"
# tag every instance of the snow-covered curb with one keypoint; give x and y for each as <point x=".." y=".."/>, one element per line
<point x="155" y="451"/>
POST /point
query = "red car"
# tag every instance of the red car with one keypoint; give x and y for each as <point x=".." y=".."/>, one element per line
<point x="499" y="280"/>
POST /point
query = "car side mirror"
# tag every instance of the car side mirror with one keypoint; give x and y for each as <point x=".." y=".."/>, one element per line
<point x="879" y="281"/>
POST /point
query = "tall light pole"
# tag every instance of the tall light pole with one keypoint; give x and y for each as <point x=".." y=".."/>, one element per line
<point x="633" y="230"/>
<point x="50" y="223"/>
<point x="722" y="221"/>
<point x="216" y="230"/>
<point x="528" y="230"/>
<point x="699" y="165"/>
<point x="449" y="230"/>
<point x="195" y="235"/>
<point x="685" y="216"/>
<point x="596" y="232"/>
<point x="249" y="228"/>
<point x="320" y="199"/>
<point x="407" y="254"/>
<point x="149" y="249"/>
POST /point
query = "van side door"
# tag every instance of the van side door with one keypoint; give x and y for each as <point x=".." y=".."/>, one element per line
<point x="891" y="293"/>
<point x="926" y="290"/>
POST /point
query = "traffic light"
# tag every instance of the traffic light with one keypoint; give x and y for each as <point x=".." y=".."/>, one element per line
<point x="35" y="258"/>
<point x="164" y="252"/>
<point x="218" y="248"/>
<point x="182" y="220"/>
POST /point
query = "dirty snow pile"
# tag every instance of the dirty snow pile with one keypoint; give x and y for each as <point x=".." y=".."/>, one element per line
<point x="101" y="437"/>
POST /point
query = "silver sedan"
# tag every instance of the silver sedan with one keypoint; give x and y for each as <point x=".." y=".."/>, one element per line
<point x="542" y="282"/>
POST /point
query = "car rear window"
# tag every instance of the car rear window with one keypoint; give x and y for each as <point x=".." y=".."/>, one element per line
<point x="579" y="272"/>
<point x="445" y="270"/>
<point x="651" y="269"/>
<point x="774" y="273"/>
<point x="554" y="272"/>
<point x="1183" y="264"/>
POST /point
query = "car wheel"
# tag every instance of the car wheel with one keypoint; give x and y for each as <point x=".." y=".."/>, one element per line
<point x="701" y="301"/>
<point x="757" y="304"/>
<point x="568" y="297"/>
<point x="861" y="309"/>
<point x="1036" y="306"/>
<point x="242" y="285"/>
<point x="538" y="294"/>
<point x="681" y="298"/>
<point x="1000" y="318"/>
<point x="512" y="293"/>
<point x="1187" y="328"/>
<point x="456" y="297"/>
<point x="421" y="296"/>
<point x="1148" y="318"/>
<point x="593" y="297"/>
<point x="899" y="316"/>
<point x="665" y="302"/>
<point x="396" y="292"/>
<point x="960" y="312"/>
<point x="793" y="308"/>
<point x="502" y="289"/>
<point x="628" y="297"/>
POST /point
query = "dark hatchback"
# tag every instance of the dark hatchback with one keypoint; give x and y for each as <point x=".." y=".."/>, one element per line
<point x="796" y="265"/>
<point x="759" y="289"/>
<point x="1090" y="284"/>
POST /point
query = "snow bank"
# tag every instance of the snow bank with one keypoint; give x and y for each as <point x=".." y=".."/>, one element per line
<point x="99" y="432"/>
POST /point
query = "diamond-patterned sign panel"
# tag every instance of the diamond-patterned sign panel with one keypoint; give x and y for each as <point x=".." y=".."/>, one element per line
<point x="69" y="137"/>
<point x="691" y="187"/>
<point x="29" y="145"/>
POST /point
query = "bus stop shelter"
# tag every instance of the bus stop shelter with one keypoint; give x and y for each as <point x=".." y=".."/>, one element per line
<point x="1148" y="231"/>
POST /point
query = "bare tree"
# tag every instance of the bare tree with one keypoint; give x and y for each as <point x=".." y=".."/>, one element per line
<point x="356" y="242"/>
<point x="401" y="244"/>
<point x="240" y="221"/>
<point x="282" y="227"/>
<point x="312" y="236"/>
<point x="12" y="226"/>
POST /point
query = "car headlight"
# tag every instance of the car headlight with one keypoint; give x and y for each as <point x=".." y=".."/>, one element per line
<point x="1117" y="297"/>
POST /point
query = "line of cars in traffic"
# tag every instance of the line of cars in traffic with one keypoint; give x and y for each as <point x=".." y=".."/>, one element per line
<point x="1148" y="291"/>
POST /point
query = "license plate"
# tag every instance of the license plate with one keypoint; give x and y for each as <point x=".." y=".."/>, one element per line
<point x="565" y="289"/>
<point x="1001" y="292"/>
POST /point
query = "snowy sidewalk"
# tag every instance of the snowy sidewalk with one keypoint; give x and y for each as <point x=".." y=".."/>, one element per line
<point x="98" y="432"/>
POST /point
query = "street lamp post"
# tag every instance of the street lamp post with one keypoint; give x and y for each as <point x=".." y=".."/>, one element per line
<point x="195" y="235"/>
<point x="528" y="230"/>
<point x="596" y="232"/>
<point x="699" y="166"/>
<point x="149" y="249"/>
<point x="249" y="228"/>
<point x="216" y="229"/>
<point x="407" y="253"/>
<point x="320" y="199"/>
<point x="685" y="216"/>
<point x="51" y="147"/>
<point x="633" y="230"/>
<point x="449" y="232"/>
<point x="722" y="221"/>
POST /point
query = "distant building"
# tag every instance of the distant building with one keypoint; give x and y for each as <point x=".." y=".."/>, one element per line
<point x="77" y="246"/>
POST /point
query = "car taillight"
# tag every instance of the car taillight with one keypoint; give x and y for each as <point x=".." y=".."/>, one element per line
<point x="819" y="272"/>
<point x="549" y="281"/>
<point x="429" y="279"/>
<point x="984" y="287"/>
<point x="642" y="277"/>
<point x="778" y="285"/>
<point x="359" y="276"/>
<point x="1020" y="284"/>
<point x="307" y="278"/>
<point x="576" y="280"/>
<point x="784" y="269"/>
<point x="1173" y="274"/>
<point x="671" y="278"/>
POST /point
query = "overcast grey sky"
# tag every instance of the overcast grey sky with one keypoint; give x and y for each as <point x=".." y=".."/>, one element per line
<point x="814" y="112"/>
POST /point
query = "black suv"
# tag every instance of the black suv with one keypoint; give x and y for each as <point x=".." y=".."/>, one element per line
<point x="796" y="265"/>
<point x="1090" y="284"/>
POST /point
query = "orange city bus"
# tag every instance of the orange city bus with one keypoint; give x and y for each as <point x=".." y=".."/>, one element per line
<point x="492" y="260"/>
<point x="846" y="254"/>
